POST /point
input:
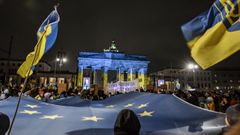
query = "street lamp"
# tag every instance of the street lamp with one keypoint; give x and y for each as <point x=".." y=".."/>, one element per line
<point x="193" y="67"/>
<point x="57" y="59"/>
<point x="60" y="59"/>
<point x="64" y="60"/>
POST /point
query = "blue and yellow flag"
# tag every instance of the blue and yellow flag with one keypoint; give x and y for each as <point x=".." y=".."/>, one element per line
<point x="46" y="35"/>
<point x="215" y="34"/>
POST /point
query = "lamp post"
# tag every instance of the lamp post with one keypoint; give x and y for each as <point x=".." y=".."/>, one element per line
<point x="60" y="60"/>
<point x="193" y="67"/>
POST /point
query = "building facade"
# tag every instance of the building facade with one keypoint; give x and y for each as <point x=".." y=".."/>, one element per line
<point x="226" y="79"/>
<point x="110" y="66"/>
<point x="9" y="67"/>
<point x="42" y="76"/>
<point x="196" y="79"/>
<point x="64" y="80"/>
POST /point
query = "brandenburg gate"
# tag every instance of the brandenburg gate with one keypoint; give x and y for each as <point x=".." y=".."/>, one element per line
<point x="100" y="68"/>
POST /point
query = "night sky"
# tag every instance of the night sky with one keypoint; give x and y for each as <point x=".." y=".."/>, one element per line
<point x="146" y="27"/>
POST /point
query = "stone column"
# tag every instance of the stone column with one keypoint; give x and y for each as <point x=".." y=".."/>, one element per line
<point x="142" y="78"/>
<point x="94" y="74"/>
<point x="122" y="76"/>
<point x="94" y="80"/>
<point x="95" y="77"/>
<point x="119" y="74"/>
<point x="133" y="74"/>
<point x="105" y="78"/>
<point x="130" y="74"/>
<point x="80" y="76"/>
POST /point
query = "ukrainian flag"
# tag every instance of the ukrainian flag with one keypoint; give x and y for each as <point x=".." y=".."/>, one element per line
<point x="46" y="35"/>
<point x="215" y="34"/>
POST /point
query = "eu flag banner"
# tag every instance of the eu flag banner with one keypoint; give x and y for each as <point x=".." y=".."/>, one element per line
<point x="214" y="35"/>
<point x="46" y="35"/>
<point x="158" y="114"/>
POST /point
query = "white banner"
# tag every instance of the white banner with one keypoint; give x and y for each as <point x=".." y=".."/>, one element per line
<point x="123" y="86"/>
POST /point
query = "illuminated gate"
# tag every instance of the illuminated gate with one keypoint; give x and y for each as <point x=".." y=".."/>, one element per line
<point x="98" y="68"/>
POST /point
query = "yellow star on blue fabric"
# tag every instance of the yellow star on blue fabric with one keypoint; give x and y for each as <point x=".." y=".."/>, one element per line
<point x="128" y="105"/>
<point x="93" y="118"/>
<point x="32" y="106"/>
<point x="29" y="112"/>
<point x="110" y="106"/>
<point x="52" y="117"/>
<point x="146" y="113"/>
<point x="142" y="106"/>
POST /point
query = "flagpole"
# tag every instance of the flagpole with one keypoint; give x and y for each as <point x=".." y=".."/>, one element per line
<point x="22" y="89"/>
<point x="25" y="81"/>
<point x="19" y="100"/>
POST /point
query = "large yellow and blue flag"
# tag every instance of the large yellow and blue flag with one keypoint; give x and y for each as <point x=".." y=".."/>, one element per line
<point x="215" y="34"/>
<point x="46" y="35"/>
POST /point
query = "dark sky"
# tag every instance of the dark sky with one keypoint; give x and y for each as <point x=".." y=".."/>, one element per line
<point x="146" y="27"/>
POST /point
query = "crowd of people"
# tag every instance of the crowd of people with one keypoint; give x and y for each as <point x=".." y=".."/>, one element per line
<point x="7" y="91"/>
<point x="221" y="101"/>
<point x="50" y="93"/>
<point x="212" y="100"/>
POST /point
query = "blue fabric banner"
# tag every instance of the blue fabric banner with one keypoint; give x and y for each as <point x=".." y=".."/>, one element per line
<point x="158" y="114"/>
